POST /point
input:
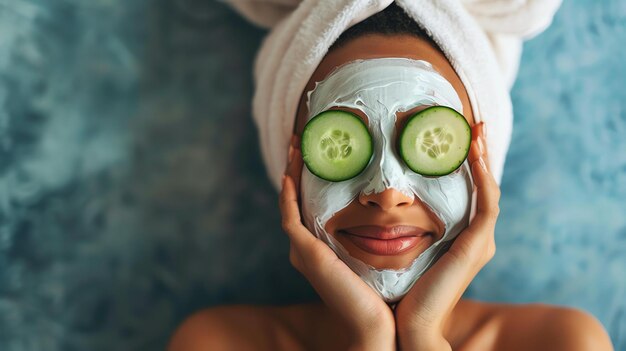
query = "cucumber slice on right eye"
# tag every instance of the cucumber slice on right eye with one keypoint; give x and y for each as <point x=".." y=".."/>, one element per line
<point x="336" y="145"/>
<point x="435" y="141"/>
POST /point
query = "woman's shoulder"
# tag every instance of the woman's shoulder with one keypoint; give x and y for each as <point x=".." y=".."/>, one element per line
<point x="244" y="327"/>
<point x="536" y="326"/>
<point x="475" y="325"/>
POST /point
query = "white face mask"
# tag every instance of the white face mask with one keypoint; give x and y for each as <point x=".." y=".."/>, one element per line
<point x="380" y="88"/>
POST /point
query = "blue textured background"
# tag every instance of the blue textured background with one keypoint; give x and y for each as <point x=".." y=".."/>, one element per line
<point x="132" y="192"/>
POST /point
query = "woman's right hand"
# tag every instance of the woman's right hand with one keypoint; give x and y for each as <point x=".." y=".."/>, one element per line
<point x="370" y="322"/>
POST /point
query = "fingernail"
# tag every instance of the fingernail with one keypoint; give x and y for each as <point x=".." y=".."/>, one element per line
<point x="290" y="153"/>
<point x="483" y="129"/>
<point x="482" y="164"/>
<point x="481" y="146"/>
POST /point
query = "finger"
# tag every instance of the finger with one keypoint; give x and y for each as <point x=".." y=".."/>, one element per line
<point x="295" y="162"/>
<point x="295" y="170"/>
<point x="483" y="138"/>
<point x="474" y="246"/>
<point x="478" y="150"/>
<point x="312" y="250"/>
<point x="290" y="211"/>
<point x="466" y="255"/>
<point x="308" y="246"/>
<point x="302" y="241"/>
<point x="487" y="192"/>
<point x="334" y="281"/>
<point x="475" y="151"/>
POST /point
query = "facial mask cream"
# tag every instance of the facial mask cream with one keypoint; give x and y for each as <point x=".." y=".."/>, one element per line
<point x="380" y="88"/>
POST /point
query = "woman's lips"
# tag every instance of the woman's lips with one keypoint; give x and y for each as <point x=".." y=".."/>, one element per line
<point x="385" y="241"/>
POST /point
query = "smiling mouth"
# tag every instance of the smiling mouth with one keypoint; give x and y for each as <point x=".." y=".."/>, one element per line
<point x="386" y="241"/>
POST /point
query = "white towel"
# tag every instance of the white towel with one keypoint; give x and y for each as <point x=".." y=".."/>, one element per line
<point x="482" y="39"/>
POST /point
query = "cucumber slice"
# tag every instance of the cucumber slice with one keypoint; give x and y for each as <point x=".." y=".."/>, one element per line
<point x="336" y="145"/>
<point x="435" y="141"/>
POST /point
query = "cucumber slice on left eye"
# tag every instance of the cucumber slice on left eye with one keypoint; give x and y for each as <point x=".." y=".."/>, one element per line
<point x="435" y="141"/>
<point x="336" y="145"/>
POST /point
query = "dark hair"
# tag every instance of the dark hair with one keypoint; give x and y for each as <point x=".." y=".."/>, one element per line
<point x="392" y="20"/>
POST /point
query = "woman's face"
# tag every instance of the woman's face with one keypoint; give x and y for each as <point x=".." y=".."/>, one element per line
<point x="378" y="213"/>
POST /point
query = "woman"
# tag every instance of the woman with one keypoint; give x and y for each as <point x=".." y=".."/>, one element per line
<point x="429" y="315"/>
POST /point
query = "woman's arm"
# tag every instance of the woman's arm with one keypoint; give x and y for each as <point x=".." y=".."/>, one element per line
<point x="423" y="314"/>
<point x="369" y="322"/>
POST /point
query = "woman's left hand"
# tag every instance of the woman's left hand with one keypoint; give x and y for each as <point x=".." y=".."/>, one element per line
<point x="422" y="316"/>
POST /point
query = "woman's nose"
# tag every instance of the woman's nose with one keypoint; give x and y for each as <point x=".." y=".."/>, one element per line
<point x="386" y="200"/>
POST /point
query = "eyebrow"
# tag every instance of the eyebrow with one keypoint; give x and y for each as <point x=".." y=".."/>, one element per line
<point x="356" y="111"/>
<point x="413" y="110"/>
<point x="398" y="114"/>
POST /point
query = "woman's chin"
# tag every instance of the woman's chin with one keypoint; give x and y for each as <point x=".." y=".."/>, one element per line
<point x="386" y="254"/>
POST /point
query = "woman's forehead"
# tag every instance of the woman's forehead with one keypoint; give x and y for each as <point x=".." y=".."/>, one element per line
<point x="385" y="85"/>
<point x="378" y="46"/>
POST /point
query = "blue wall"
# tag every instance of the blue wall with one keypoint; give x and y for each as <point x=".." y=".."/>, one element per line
<point x="132" y="192"/>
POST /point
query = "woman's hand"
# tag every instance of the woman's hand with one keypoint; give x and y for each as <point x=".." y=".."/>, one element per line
<point x="422" y="316"/>
<point x="369" y="321"/>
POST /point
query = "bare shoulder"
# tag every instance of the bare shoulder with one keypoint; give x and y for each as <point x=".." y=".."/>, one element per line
<point x="238" y="327"/>
<point x="541" y="327"/>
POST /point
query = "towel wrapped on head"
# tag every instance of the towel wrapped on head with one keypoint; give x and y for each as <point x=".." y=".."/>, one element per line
<point x="482" y="39"/>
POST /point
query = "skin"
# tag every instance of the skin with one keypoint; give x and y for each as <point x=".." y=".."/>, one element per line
<point x="431" y="316"/>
